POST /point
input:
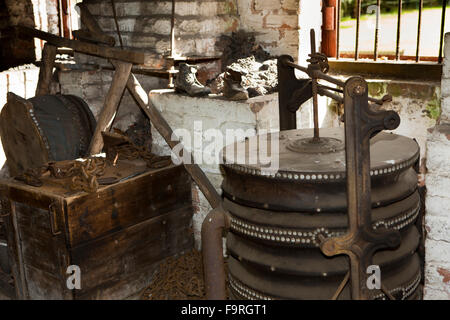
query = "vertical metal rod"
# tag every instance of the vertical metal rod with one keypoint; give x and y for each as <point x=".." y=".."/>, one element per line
<point x="399" y="22"/>
<point x="69" y="13"/>
<point x="377" y="29"/>
<point x="314" y="91"/>
<point x="113" y="4"/>
<point x="441" y="41"/>
<point x="419" y="29"/>
<point x="338" y="26"/>
<point x="172" y="31"/>
<point x="358" y="20"/>
<point x="61" y="21"/>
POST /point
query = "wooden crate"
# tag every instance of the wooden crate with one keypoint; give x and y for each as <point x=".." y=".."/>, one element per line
<point x="117" y="236"/>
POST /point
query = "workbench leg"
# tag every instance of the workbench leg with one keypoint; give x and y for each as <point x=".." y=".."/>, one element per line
<point x="121" y="76"/>
<point x="46" y="69"/>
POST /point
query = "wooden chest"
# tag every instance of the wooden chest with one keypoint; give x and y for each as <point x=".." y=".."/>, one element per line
<point x="116" y="236"/>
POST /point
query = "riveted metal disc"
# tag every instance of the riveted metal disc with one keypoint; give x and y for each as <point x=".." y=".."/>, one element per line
<point x="286" y="180"/>
<point x="250" y="282"/>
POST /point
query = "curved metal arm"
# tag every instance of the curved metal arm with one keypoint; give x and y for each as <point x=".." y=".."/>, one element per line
<point x="361" y="241"/>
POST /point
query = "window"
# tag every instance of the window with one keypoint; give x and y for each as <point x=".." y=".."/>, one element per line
<point x="386" y="31"/>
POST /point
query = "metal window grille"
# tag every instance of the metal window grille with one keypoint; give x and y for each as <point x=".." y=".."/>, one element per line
<point x="397" y="56"/>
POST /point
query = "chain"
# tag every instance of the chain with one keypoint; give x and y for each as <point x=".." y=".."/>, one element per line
<point x="130" y="151"/>
<point x="86" y="175"/>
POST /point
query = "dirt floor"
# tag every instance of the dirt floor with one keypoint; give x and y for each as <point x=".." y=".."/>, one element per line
<point x="178" y="278"/>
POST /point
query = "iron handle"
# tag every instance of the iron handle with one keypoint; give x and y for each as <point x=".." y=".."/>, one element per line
<point x="52" y="216"/>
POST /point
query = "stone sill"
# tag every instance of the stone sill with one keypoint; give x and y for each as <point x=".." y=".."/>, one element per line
<point x="256" y="104"/>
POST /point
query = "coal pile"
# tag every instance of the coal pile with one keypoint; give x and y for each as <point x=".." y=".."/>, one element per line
<point x="259" y="78"/>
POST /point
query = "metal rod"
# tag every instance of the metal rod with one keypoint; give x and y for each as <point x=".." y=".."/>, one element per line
<point x="399" y="22"/>
<point x="172" y="30"/>
<point x="341" y="286"/>
<point x="326" y="93"/>
<point x="338" y="26"/>
<point x="116" y="22"/>
<point x="358" y="20"/>
<point x="377" y="30"/>
<point x="317" y="74"/>
<point x="419" y="29"/>
<point x="441" y="42"/>
<point x="387" y="293"/>
<point x="61" y="21"/>
<point x="316" y="137"/>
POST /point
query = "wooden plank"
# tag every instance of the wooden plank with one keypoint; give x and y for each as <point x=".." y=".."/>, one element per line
<point x="387" y="69"/>
<point x="46" y="286"/>
<point x="110" y="106"/>
<point x="85" y="35"/>
<point x="46" y="69"/>
<point x="121" y="205"/>
<point x="106" y="262"/>
<point x="13" y="248"/>
<point x="20" y="136"/>
<point x="137" y="57"/>
<point x="40" y="248"/>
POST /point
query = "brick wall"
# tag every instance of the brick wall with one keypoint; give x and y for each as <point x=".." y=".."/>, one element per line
<point x="146" y="25"/>
<point x="276" y="24"/>
<point x="195" y="116"/>
<point x="92" y="86"/>
<point x="437" y="218"/>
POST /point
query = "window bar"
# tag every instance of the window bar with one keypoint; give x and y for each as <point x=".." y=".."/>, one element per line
<point x="338" y="26"/>
<point x="419" y="29"/>
<point x="399" y="22"/>
<point x="377" y="29"/>
<point x="444" y="7"/>
<point x="358" y="18"/>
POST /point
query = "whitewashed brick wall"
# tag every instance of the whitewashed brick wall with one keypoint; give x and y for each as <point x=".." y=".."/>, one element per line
<point x="181" y="112"/>
<point x="146" y="24"/>
<point x="276" y="24"/>
<point x="437" y="217"/>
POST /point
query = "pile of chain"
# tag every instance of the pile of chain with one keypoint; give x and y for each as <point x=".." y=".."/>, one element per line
<point x="178" y="279"/>
<point x="130" y="151"/>
<point x="83" y="174"/>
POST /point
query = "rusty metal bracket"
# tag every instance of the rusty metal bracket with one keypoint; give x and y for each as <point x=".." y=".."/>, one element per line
<point x="361" y="241"/>
<point x="52" y="214"/>
<point x="291" y="94"/>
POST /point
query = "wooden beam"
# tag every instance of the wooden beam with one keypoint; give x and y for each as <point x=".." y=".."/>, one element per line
<point x="120" y="79"/>
<point x="46" y="69"/>
<point x="103" y="51"/>
<point x="91" y="24"/>
<point x="85" y="35"/>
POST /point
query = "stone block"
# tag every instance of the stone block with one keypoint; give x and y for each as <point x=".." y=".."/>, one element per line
<point x="267" y="5"/>
<point x="438" y="227"/>
<point x="438" y="184"/>
<point x="281" y="21"/>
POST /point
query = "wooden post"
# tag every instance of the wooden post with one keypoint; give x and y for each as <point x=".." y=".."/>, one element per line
<point x="46" y="69"/>
<point x="121" y="75"/>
